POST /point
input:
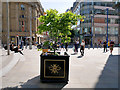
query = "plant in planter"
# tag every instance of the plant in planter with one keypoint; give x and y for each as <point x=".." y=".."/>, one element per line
<point x="58" y="26"/>
<point x="55" y="67"/>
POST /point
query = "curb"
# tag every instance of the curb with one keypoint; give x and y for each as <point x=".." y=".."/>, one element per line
<point x="13" y="62"/>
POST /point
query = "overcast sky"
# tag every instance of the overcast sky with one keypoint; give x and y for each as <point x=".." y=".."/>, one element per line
<point x="60" y="5"/>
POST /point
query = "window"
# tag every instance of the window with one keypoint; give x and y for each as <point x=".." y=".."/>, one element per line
<point x="20" y="26"/>
<point x="102" y="3"/>
<point x="22" y="7"/>
<point x="113" y="30"/>
<point x="112" y="21"/>
<point x="116" y="31"/>
<point x="98" y="30"/>
<point x="22" y="16"/>
<point x="117" y="21"/>
<point x="106" y="20"/>
<point x="97" y="3"/>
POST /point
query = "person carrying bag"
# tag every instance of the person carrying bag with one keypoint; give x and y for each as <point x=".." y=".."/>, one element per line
<point x="82" y="47"/>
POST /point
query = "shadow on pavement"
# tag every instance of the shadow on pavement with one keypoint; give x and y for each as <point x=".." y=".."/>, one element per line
<point x="36" y="83"/>
<point x="74" y="54"/>
<point x="79" y="56"/>
<point x="109" y="75"/>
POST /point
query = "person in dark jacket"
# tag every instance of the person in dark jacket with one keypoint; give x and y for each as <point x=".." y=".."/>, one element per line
<point x="17" y="49"/>
<point x="105" y="46"/>
<point x="76" y="47"/>
<point x="66" y="45"/>
<point x="111" y="46"/>
<point x="12" y="47"/>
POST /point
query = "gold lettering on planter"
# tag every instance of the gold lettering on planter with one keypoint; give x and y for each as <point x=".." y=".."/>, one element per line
<point x="54" y="68"/>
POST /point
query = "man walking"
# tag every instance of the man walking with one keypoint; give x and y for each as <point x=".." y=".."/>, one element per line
<point x="111" y="46"/>
<point x="26" y="43"/>
<point x="105" y="46"/>
<point x="66" y="46"/>
<point x="82" y="47"/>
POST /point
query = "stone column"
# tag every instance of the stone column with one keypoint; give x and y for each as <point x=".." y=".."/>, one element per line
<point x="0" y="24"/>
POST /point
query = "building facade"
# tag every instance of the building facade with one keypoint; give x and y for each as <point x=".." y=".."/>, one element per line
<point x="117" y="7"/>
<point x="23" y="21"/>
<point x="101" y="22"/>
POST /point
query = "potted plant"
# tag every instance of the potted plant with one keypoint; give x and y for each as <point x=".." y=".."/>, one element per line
<point x="55" y="67"/>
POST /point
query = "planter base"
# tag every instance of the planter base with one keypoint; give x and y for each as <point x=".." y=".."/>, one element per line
<point x="54" y="68"/>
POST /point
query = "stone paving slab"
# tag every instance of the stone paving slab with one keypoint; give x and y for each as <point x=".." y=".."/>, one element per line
<point x="94" y="70"/>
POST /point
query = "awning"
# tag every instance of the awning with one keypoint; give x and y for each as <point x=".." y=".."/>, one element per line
<point x="38" y="35"/>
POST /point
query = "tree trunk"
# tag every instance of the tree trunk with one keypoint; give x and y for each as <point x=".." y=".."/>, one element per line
<point x="54" y="51"/>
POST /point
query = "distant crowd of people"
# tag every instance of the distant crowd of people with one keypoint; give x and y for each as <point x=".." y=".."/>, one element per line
<point x="62" y="46"/>
<point x="105" y="45"/>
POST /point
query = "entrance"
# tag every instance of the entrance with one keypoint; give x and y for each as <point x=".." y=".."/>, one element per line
<point x="87" y="40"/>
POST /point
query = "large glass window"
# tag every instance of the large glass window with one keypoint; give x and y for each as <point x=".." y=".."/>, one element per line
<point x="98" y="30"/>
<point x="106" y="20"/>
<point x="112" y="21"/>
<point x="85" y="30"/>
<point x="117" y="21"/>
<point x="113" y="30"/>
<point x="97" y="3"/>
<point x="22" y="7"/>
<point x="116" y="30"/>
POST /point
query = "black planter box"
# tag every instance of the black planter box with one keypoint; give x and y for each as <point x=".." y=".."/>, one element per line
<point x="54" y="68"/>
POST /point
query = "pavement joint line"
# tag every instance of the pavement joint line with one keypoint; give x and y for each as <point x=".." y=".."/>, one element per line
<point x="13" y="62"/>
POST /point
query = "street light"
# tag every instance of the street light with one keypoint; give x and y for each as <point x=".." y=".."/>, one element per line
<point x="8" y="46"/>
<point x="107" y="28"/>
<point x="30" y="45"/>
<point x="91" y="31"/>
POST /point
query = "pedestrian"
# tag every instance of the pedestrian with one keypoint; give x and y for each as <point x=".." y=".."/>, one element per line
<point x="26" y="43"/>
<point x="22" y="44"/>
<point x="95" y="44"/>
<point x="77" y="44"/>
<point x="66" y="45"/>
<point x="100" y="44"/>
<point x="105" y="46"/>
<point x="88" y="46"/>
<point x="62" y="46"/>
<point x="108" y="44"/>
<point x="76" y="47"/>
<point x="82" y="47"/>
<point x="111" y="46"/>
<point x="12" y="47"/>
<point x="17" y="49"/>
<point x="119" y="44"/>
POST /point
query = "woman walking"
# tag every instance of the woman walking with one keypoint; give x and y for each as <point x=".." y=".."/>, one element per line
<point x="111" y="46"/>
<point x="82" y="47"/>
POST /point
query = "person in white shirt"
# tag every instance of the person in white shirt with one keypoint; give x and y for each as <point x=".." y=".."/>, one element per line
<point x="82" y="47"/>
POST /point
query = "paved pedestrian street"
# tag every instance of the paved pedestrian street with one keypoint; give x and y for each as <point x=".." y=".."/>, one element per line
<point x="94" y="70"/>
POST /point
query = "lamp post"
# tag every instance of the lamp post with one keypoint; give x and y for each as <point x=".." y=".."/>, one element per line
<point x="8" y="38"/>
<point x="91" y="31"/>
<point x="107" y="28"/>
<point x="30" y="45"/>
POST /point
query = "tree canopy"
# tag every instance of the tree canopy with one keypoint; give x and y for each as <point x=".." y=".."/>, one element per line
<point x="58" y="25"/>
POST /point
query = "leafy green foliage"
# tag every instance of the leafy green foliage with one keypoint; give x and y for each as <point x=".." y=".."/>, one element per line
<point x="58" y="25"/>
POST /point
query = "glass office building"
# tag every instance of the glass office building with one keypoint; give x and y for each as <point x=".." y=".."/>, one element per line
<point x="101" y="22"/>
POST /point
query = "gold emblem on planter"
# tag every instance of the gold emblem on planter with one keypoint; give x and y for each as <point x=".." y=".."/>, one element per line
<point x="54" y="68"/>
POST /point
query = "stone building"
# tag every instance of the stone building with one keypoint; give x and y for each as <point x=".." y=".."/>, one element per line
<point x="23" y="21"/>
<point x="0" y="23"/>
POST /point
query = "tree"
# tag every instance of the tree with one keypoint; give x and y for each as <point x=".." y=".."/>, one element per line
<point x="58" y="25"/>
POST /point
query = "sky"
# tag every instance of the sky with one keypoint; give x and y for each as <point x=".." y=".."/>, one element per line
<point x="60" y="5"/>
